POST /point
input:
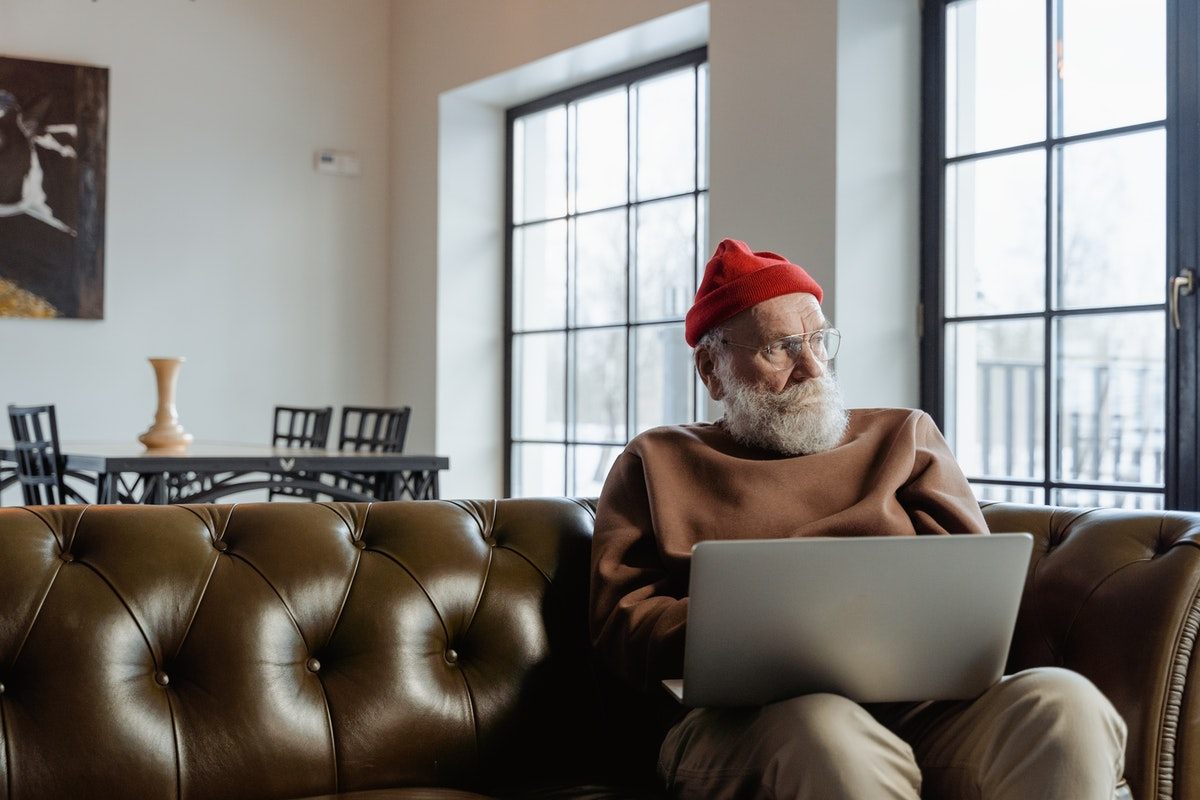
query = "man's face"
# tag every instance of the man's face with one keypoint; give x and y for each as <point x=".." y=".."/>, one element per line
<point x="760" y="325"/>
<point x="796" y="410"/>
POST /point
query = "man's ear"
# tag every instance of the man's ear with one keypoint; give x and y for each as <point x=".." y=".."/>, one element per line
<point x="706" y="365"/>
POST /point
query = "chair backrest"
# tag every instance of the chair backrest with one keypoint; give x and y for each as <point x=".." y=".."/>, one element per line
<point x="39" y="465"/>
<point x="374" y="429"/>
<point x="297" y="426"/>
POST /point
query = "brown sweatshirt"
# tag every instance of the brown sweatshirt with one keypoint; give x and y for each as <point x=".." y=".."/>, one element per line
<point x="892" y="474"/>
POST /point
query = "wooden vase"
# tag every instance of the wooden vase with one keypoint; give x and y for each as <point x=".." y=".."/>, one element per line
<point x="166" y="433"/>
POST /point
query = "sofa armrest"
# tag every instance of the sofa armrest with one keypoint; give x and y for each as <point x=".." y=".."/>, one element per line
<point x="1115" y="595"/>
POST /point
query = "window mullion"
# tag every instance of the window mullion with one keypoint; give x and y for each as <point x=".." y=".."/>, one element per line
<point x="570" y="342"/>
<point x="631" y="167"/>
<point x="1052" y="242"/>
<point x="931" y="306"/>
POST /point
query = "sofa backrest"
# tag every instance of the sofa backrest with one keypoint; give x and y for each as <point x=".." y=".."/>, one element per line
<point x="287" y="650"/>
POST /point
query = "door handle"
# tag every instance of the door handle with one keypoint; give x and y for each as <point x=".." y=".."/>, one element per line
<point x="1184" y="283"/>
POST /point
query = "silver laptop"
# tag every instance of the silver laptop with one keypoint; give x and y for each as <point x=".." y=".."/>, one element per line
<point x="875" y="619"/>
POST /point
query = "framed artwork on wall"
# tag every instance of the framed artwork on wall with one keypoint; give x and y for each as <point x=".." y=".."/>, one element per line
<point x="53" y="145"/>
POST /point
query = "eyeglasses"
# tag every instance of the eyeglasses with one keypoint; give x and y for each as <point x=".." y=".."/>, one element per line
<point x="783" y="353"/>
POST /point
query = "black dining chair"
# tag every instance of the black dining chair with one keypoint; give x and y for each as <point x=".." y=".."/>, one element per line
<point x="374" y="429"/>
<point x="371" y="429"/>
<point x="299" y="426"/>
<point x="41" y="469"/>
<point x="8" y="477"/>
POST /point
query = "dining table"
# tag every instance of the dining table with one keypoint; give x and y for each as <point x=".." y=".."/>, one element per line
<point x="208" y="471"/>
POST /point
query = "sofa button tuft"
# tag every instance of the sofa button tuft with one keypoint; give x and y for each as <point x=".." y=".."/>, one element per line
<point x="360" y="544"/>
<point x="221" y="545"/>
<point x="161" y="678"/>
<point x="66" y="557"/>
<point x="451" y="656"/>
<point x="312" y="665"/>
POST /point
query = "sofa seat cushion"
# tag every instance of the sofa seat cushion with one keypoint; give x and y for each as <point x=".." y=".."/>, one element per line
<point x="410" y="793"/>
<point x="590" y="791"/>
<point x="539" y="792"/>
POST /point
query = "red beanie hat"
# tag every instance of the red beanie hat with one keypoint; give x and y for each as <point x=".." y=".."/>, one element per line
<point x="736" y="279"/>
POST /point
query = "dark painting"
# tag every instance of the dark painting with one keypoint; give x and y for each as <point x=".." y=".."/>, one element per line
<point x="53" y="140"/>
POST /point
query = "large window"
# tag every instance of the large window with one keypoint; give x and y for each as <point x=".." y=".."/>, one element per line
<point x="1053" y="172"/>
<point x="607" y="206"/>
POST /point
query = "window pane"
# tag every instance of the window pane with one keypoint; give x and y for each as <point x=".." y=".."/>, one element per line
<point x="599" y="385"/>
<point x="664" y="376"/>
<point x="665" y="258"/>
<point x="1076" y="498"/>
<point x="994" y="377"/>
<point x="1111" y="401"/>
<point x="702" y="126"/>
<point x="601" y="134"/>
<point x="1113" y="227"/>
<point x="995" y="235"/>
<point x="666" y="134"/>
<point x="538" y="470"/>
<point x="539" y="407"/>
<point x="591" y="465"/>
<point x="540" y="165"/>
<point x="1009" y="494"/>
<point x="1113" y="63"/>
<point x="995" y="74"/>
<point x="540" y="276"/>
<point x="600" y="248"/>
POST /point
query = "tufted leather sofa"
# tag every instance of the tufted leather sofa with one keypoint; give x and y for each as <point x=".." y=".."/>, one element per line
<point x="439" y="650"/>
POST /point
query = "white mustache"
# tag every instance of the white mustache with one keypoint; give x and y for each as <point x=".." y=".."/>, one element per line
<point x="813" y="390"/>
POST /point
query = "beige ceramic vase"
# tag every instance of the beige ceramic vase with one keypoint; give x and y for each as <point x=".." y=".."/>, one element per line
<point x="166" y="433"/>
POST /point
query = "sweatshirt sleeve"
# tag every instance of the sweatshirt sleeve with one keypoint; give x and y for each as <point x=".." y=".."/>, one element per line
<point x="638" y="615"/>
<point x="937" y="496"/>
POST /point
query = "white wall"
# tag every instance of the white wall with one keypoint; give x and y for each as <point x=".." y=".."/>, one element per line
<point x="815" y="120"/>
<point x="773" y="129"/>
<point x="789" y="81"/>
<point x="470" y="280"/>
<point x="223" y="243"/>
<point x="878" y="209"/>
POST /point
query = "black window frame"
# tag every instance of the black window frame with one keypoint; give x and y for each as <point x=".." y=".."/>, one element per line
<point x="1181" y="488"/>
<point x="693" y="58"/>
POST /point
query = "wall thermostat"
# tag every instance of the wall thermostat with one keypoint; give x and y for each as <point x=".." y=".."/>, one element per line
<point x="337" y="162"/>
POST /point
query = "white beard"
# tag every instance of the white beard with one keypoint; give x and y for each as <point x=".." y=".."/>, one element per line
<point x="809" y="417"/>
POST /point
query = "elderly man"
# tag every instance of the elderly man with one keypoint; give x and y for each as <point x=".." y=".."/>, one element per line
<point x="787" y="459"/>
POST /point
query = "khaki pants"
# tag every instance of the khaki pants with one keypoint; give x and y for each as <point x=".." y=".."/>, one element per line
<point x="1043" y="733"/>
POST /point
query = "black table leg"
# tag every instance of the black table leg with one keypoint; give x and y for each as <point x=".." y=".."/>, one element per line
<point x="105" y="488"/>
<point x="160" y="489"/>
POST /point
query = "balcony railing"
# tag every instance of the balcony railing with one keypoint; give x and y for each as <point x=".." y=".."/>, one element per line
<point x="1109" y="430"/>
